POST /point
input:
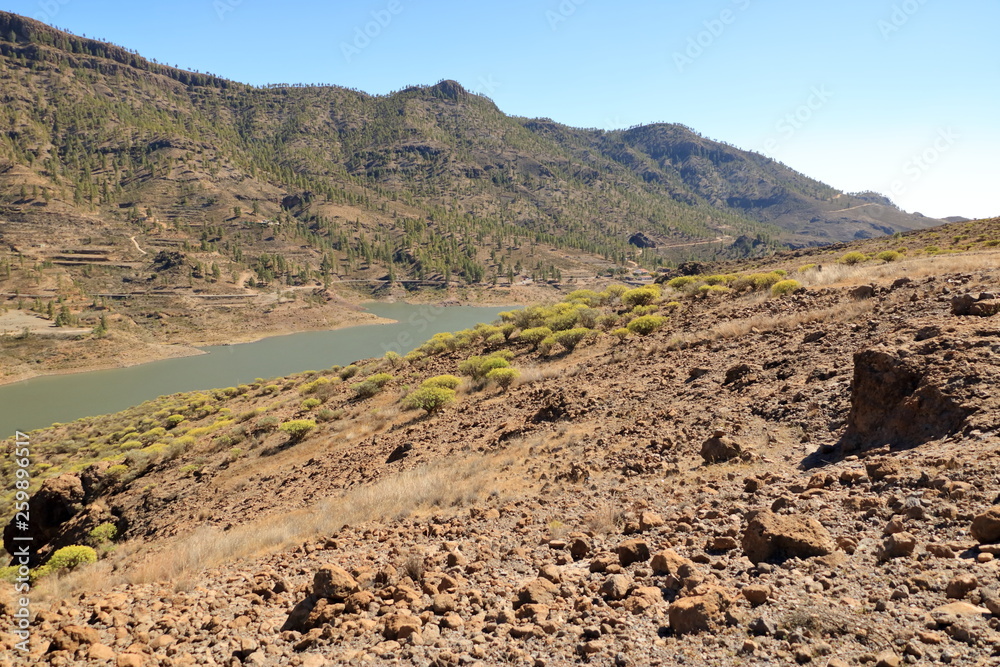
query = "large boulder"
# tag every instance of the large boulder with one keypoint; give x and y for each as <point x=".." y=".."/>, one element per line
<point x="720" y="448"/>
<point x="986" y="526"/>
<point x="334" y="583"/>
<point x="769" y="536"/>
<point x="699" y="613"/>
<point x="537" y="591"/>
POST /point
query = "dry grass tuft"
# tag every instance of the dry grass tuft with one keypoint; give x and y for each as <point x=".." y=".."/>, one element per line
<point x="917" y="267"/>
<point x="447" y="484"/>
<point x="843" y="312"/>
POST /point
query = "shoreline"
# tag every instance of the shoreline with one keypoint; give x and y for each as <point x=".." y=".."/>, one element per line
<point x="153" y="352"/>
<point x="183" y="351"/>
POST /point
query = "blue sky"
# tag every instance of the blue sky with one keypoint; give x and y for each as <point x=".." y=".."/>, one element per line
<point x="898" y="96"/>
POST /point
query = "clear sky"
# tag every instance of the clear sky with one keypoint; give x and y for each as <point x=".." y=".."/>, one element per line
<point x="897" y="96"/>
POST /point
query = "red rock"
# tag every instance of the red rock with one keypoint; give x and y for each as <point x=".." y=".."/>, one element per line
<point x="771" y="536"/>
<point x="334" y="583"/>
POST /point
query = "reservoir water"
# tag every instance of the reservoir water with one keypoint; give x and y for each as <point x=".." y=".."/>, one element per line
<point x="41" y="401"/>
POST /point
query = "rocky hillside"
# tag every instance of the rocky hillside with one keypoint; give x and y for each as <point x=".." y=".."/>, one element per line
<point x="419" y="183"/>
<point x="732" y="469"/>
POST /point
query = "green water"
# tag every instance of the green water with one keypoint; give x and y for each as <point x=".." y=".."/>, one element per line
<point x="62" y="398"/>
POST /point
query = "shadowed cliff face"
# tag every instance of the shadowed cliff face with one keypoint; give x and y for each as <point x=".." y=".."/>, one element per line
<point x="901" y="400"/>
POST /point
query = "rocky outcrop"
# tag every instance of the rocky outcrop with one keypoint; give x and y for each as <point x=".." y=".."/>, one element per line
<point x="900" y="399"/>
<point x="640" y="240"/>
<point x="984" y="305"/>
<point x="56" y="502"/>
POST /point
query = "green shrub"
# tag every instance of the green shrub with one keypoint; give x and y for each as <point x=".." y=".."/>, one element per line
<point x="393" y="359"/>
<point x="640" y="296"/>
<point x="106" y="532"/>
<point x="446" y="381"/>
<point x="588" y="317"/>
<point x="563" y="321"/>
<point x="311" y="403"/>
<point x="607" y="322"/>
<point x="805" y="268"/>
<point x="646" y="324"/>
<point x="116" y="471"/>
<point x="297" y="429"/>
<point x="503" y="377"/>
<point x="441" y="342"/>
<point x="205" y="430"/>
<point x="621" y="334"/>
<point x="613" y="294"/>
<point x="854" y="257"/>
<point x="272" y="389"/>
<point x="366" y="389"/>
<point x="268" y="424"/>
<point x="756" y="282"/>
<point x="719" y="279"/>
<point x="785" y="287"/>
<point x="348" y="372"/>
<point x="153" y="434"/>
<point x="329" y="415"/>
<point x="64" y="559"/>
<point x="528" y="318"/>
<point x="478" y="367"/>
<point x="570" y="338"/>
<point x="681" y="282"/>
<point x="371" y="386"/>
<point x="430" y="399"/>
<point x="705" y="290"/>
<point x="312" y="387"/>
<point x="932" y="250"/>
<point x="586" y="297"/>
<point x="546" y="345"/>
<point x="130" y="444"/>
<point x="639" y="311"/>
<point x="496" y="340"/>
<point x="992" y="243"/>
<point x="484" y="331"/>
<point x="889" y="256"/>
<point x="507" y="329"/>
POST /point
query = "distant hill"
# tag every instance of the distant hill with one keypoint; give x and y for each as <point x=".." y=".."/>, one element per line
<point x="309" y="183"/>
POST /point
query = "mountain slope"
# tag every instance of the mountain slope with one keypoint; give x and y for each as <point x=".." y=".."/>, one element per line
<point x="97" y="131"/>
